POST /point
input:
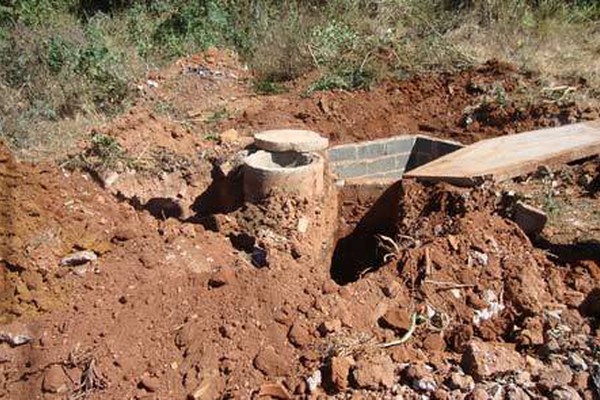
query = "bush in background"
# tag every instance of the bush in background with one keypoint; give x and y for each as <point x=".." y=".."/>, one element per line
<point x="66" y="64"/>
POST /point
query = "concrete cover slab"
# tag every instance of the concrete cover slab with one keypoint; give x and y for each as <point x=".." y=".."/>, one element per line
<point x="506" y="157"/>
<point x="280" y="140"/>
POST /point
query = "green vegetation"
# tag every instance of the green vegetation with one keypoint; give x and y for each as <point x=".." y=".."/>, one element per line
<point x="66" y="64"/>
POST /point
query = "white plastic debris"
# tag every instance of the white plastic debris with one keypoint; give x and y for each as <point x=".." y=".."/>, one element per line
<point x="494" y="308"/>
<point x="480" y="258"/>
<point x="302" y="224"/>
<point x="314" y="381"/>
<point x="15" y="340"/>
<point x="152" y="83"/>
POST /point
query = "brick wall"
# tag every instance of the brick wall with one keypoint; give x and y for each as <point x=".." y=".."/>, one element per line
<point x="386" y="158"/>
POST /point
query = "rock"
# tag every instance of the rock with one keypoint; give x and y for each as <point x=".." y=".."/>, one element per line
<point x="565" y="393"/>
<point x="329" y="287"/>
<point x="391" y="289"/>
<point x="462" y="382"/>
<point x="298" y="335"/>
<point x="147" y="261"/>
<point x="581" y="381"/>
<point x="339" y="372"/>
<point x="123" y="235"/>
<point x="514" y="392"/>
<point x="530" y="219"/>
<point x="484" y="360"/>
<point x="149" y="383"/>
<point x="282" y="140"/>
<point x="434" y="342"/>
<point x="577" y="362"/>
<point x="78" y="258"/>
<point x="55" y="380"/>
<point x="223" y="277"/>
<point x="229" y="136"/>
<point x="397" y="319"/>
<point x="441" y="394"/>
<point x="532" y="333"/>
<point x="374" y="373"/>
<point x="557" y="375"/>
<point x="478" y="394"/>
<point x="274" y="391"/>
<point x="108" y="178"/>
<point x="270" y="363"/>
<point x="328" y="327"/>
<point x="207" y="387"/>
<point x="420" y="378"/>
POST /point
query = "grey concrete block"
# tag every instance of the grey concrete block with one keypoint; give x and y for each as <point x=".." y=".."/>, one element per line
<point x="395" y="174"/>
<point x="342" y="153"/>
<point x="401" y="160"/>
<point x="350" y="170"/>
<point x="370" y="150"/>
<point x="382" y="164"/>
<point x="400" y="144"/>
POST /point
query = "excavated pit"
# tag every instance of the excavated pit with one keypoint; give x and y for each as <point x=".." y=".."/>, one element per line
<point x="369" y="180"/>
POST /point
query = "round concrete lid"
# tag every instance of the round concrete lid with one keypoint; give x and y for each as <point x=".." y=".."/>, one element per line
<point x="280" y="140"/>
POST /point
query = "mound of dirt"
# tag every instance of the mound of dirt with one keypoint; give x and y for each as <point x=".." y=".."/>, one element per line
<point x="192" y="294"/>
<point x="491" y="100"/>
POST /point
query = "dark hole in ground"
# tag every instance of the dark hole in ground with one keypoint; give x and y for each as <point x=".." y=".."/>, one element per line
<point x="358" y="252"/>
<point x="224" y="195"/>
<point x="163" y="208"/>
<point x="242" y="242"/>
<point x="572" y="252"/>
<point x="247" y="243"/>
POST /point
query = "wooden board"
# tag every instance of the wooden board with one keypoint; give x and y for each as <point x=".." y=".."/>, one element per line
<point x="509" y="156"/>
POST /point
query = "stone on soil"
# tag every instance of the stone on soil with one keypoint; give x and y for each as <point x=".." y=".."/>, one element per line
<point x="149" y="383"/>
<point x="530" y="219"/>
<point x="565" y="393"/>
<point x="554" y="376"/>
<point x="54" y="380"/>
<point x="328" y="327"/>
<point x="299" y="335"/>
<point x="420" y="378"/>
<point x="274" y="391"/>
<point x="223" y="277"/>
<point x="270" y="363"/>
<point x="374" y="373"/>
<point x="397" y="319"/>
<point x="484" y="360"/>
<point x="340" y="370"/>
<point x="462" y="382"/>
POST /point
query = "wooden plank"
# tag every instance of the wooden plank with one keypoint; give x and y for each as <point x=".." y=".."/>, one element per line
<point x="509" y="156"/>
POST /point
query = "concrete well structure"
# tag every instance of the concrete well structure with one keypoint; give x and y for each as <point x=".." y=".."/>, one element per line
<point x="288" y="162"/>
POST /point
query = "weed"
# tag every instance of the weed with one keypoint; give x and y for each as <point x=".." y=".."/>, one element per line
<point x="268" y="87"/>
<point x="213" y="137"/>
<point x="105" y="153"/>
<point x="349" y="79"/>
<point x="218" y="116"/>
